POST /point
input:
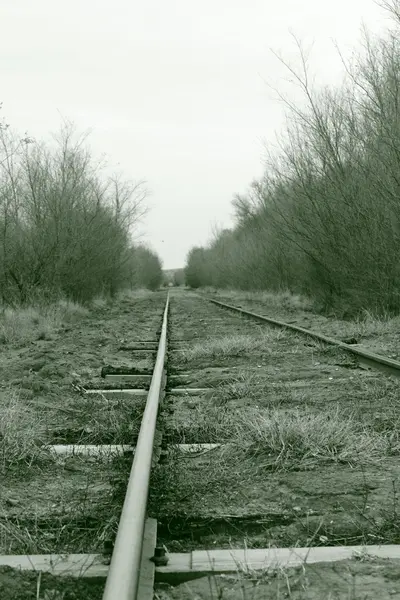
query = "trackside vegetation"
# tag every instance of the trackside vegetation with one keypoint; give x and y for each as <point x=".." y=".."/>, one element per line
<point x="66" y="228"/>
<point x="324" y="220"/>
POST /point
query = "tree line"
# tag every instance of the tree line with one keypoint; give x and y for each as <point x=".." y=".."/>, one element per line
<point x="324" y="219"/>
<point x="67" y="229"/>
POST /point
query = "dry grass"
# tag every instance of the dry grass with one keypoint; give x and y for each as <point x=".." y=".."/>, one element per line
<point x="109" y="420"/>
<point x="79" y="509"/>
<point x="365" y="325"/>
<point x="370" y="325"/>
<point x="21" y="433"/>
<point x="99" y="301"/>
<point x="74" y="508"/>
<point x="294" y="437"/>
<point x="25" y="428"/>
<point x="232" y="345"/>
<point x="337" y="580"/>
<point x="246" y="385"/>
<point x="21" y="325"/>
<point x="285" y="438"/>
<point x="67" y="311"/>
<point x="134" y="294"/>
<point x="204" y="423"/>
<point x="284" y="299"/>
<point x="248" y="388"/>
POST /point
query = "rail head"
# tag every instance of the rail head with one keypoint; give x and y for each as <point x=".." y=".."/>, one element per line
<point x="366" y="357"/>
<point x="123" y="575"/>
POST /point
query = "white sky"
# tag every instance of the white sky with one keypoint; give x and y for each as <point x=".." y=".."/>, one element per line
<point x="174" y="91"/>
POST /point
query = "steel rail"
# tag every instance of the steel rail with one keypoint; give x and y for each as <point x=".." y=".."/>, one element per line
<point x="365" y="357"/>
<point x="123" y="575"/>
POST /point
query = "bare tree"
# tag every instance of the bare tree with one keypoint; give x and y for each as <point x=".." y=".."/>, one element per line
<point x="65" y="227"/>
<point x="325" y="217"/>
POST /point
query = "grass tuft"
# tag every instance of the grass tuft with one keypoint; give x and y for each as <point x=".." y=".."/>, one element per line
<point x="99" y="302"/>
<point x="232" y="345"/>
<point x="20" y="432"/>
<point x="285" y="438"/>
<point x="293" y="436"/>
<point x="248" y="387"/>
<point x="204" y="423"/>
<point x="21" y="325"/>
<point x="368" y="325"/>
<point x="67" y="311"/>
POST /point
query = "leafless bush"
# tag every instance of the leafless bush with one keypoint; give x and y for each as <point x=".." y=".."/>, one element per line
<point x="66" y="229"/>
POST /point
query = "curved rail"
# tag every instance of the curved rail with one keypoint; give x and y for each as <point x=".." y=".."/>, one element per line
<point x="123" y="576"/>
<point x="365" y="357"/>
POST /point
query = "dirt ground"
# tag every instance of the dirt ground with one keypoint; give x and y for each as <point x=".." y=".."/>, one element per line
<point x="309" y="451"/>
<point x="345" y="580"/>
<point x="255" y="494"/>
<point x="15" y="585"/>
<point x="244" y="494"/>
<point x="57" y="504"/>
<point x="73" y="355"/>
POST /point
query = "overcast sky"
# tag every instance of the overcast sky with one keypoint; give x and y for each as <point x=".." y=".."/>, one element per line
<point x="174" y="91"/>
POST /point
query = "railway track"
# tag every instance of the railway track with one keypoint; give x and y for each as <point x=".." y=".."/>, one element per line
<point x="364" y="357"/>
<point x="214" y="479"/>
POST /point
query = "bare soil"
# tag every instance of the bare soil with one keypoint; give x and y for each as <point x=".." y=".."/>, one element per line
<point x="16" y="585"/>
<point x="73" y="356"/>
<point x="345" y="580"/>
